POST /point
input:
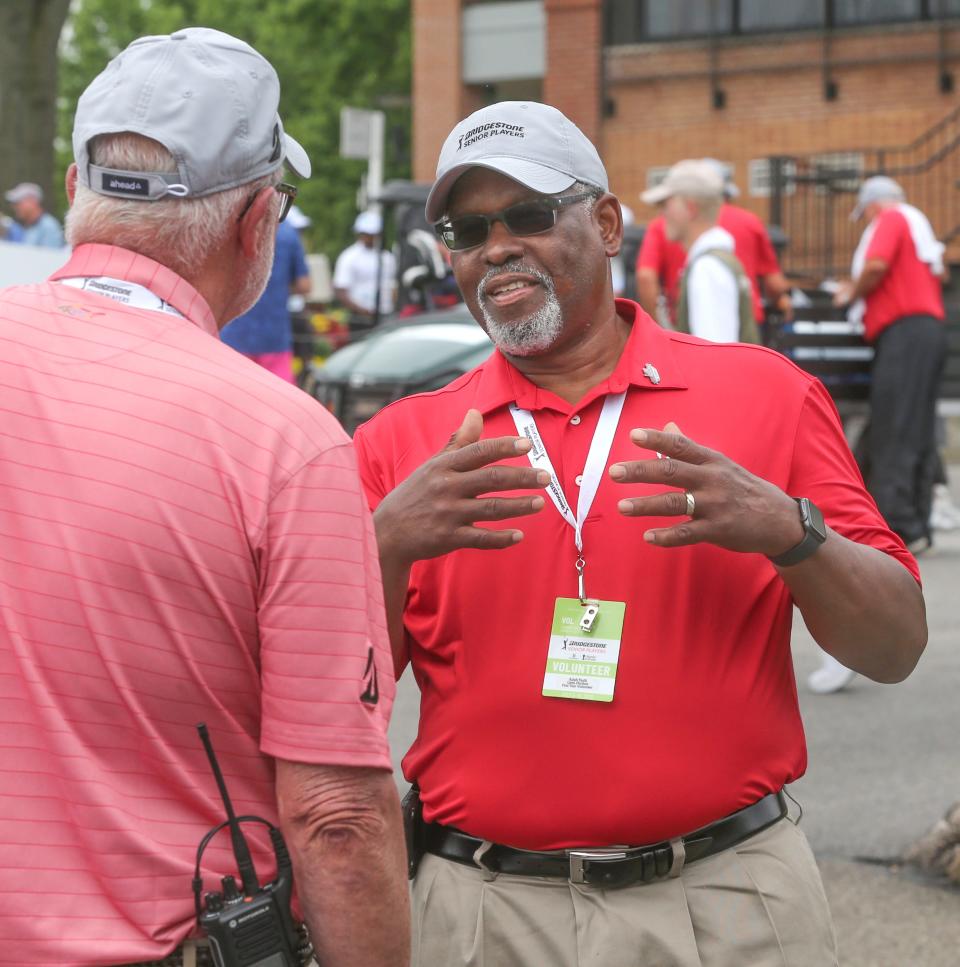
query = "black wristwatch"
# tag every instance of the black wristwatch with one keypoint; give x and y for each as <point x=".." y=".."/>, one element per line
<point x="814" y="534"/>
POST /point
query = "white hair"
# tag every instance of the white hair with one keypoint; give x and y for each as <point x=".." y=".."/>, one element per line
<point x="180" y="233"/>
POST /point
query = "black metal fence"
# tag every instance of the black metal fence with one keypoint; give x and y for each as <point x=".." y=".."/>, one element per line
<point x="812" y="196"/>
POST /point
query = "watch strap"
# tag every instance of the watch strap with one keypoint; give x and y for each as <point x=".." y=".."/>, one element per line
<point x="814" y="534"/>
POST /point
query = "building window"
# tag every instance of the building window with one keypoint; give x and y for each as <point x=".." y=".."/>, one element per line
<point x="667" y="18"/>
<point x="759" y="184"/>
<point x="637" y="21"/>
<point x="758" y="15"/>
<point x="503" y="41"/>
<point x="853" y="12"/>
<point x="656" y="175"/>
<point x="842" y="170"/>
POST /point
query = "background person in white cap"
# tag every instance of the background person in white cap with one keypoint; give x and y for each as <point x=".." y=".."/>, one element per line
<point x="714" y="300"/>
<point x="611" y="673"/>
<point x="896" y="289"/>
<point x="185" y="541"/>
<point x="39" y="226"/>
<point x="359" y="268"/>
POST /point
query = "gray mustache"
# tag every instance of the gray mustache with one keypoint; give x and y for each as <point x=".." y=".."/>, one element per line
<point x="498" y="270"/>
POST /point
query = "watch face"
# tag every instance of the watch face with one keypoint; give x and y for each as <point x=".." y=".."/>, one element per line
<point x="812" y="519"/>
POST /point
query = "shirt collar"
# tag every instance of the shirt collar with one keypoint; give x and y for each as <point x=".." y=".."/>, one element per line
<point x="647" y="363"/>
<point x="92" y="260"/>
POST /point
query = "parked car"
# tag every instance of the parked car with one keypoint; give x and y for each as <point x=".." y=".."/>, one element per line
<point x="399" y="357"/>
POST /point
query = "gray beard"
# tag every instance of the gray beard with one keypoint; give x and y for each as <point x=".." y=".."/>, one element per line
<point x="534" y="333"/>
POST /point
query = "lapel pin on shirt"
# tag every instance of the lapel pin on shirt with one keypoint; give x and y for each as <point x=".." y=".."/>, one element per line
<point x="650" y="371"/>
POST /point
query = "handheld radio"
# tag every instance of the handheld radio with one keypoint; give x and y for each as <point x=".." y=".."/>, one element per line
<point x="248" y="925"/>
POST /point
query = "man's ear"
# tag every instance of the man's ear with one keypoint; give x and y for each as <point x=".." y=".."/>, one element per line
<point x="609" y="217"/>
<point x="70" y="181"/>
<point x="259" y="218"/>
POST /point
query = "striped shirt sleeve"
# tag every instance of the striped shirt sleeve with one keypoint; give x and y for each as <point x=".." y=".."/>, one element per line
<point x="326" y="670"/>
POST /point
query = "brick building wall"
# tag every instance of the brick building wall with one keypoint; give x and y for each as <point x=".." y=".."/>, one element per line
<point x="438" y="93"/>
<point x="648" y="105"/>
<point x="661" y="96"/>
<point x="440" y="99"/>
<point x="573" y="81"/>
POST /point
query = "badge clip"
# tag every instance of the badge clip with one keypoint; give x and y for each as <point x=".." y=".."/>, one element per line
<point x="589" y="617"/>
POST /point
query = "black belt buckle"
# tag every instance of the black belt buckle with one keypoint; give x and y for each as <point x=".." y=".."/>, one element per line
<point x="618" y="866"/>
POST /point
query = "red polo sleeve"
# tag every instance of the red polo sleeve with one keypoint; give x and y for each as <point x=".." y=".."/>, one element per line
<point x="824" y="470"/>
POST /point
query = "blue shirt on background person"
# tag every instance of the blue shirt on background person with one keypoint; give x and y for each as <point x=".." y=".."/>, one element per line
<point x="38" y="227"/>
<point x="45" y="232"/>
<point x="266" y="327"/>
<point x="10" y="231"/>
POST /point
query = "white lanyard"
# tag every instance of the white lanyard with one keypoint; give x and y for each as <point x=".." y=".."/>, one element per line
<point x="129" y="293"/>
<point x="592" y="471"/>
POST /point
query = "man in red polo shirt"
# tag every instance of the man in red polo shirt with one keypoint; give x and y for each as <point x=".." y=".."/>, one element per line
<point x="608" y="707"/>
<point x="660" y="262"/>
<point x="185" y="540"/>
<point x="896" y="290"/>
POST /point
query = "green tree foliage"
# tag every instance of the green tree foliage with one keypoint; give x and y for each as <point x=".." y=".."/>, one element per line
<point x="29" y="30"/>
<point x="327" y="53"/>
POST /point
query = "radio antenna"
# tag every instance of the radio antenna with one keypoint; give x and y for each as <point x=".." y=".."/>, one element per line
<point x="241" y="849"/>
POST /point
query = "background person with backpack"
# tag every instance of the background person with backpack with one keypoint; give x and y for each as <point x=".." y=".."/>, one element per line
<point x="715" y="300"/>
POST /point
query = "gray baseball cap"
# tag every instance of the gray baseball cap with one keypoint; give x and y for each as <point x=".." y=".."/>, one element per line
<point x="210" y="99"/>
<point x="877" y="188"/>
<point x="532" y="143"/>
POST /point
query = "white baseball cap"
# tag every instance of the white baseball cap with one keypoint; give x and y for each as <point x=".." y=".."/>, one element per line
<point x="210" y="99"/>
<point x="26" y="189"/>
<point x="696" y="178"/>
<point x="368" y="223"/>
<point x="532" y="143"/>
<point x="297" y="219"/>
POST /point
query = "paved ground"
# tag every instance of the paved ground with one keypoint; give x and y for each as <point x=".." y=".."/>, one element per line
<point x="884" y="765"/>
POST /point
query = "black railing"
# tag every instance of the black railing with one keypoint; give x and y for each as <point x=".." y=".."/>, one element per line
<point x="812" y="196"/>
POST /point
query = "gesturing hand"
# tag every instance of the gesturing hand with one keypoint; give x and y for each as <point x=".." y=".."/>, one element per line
<point x="732" y="507"/>
<point x="435" y="509"/>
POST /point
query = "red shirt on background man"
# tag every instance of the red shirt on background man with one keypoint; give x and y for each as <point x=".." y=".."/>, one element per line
<point x="908" y="287"/>
<point x="751" y="245"/>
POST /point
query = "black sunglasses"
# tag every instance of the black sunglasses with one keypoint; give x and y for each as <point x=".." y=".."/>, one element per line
<point x="287" y="195"/>
<point x="531" y="217"/>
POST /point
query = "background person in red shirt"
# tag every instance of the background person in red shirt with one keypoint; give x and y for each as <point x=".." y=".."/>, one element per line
<point x="896" y="289"/>
<point x="660" y="261"/>
<point x="185" y="540"/>
<point x="548" y="729"/>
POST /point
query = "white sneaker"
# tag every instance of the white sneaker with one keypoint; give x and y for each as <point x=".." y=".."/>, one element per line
<point x="830" y="677"/>
<point x="944" y="515"/>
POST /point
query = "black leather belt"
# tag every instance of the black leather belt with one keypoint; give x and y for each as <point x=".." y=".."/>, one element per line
<point x="610" y="866"/>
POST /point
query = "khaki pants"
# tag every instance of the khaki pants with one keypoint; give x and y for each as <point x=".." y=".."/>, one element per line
<point x="760" y="904"/>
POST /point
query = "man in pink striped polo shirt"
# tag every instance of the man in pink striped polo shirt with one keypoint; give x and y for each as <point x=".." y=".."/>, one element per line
<point x="183" y="539"/>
